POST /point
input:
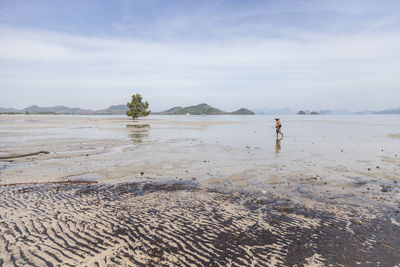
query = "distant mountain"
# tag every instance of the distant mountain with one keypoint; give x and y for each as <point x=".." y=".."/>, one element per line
<point x="113" y="110"/>
<point x="172" y="111"/>
<point x="8" y="110"/>
<point x="389" y="111"/>
<point x="54" y="110"/>
<point x="33" y="109"/>
<point x="307" y="112"/>
<point x="243" y="111"/>
<point x="49" y="110"/>
<point x="202" y="109"/>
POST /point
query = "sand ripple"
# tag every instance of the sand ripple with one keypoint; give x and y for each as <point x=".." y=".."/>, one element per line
<point x="143" y="224"/>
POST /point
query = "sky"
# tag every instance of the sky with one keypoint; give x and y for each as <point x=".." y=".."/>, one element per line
<point x="299" y="54"/>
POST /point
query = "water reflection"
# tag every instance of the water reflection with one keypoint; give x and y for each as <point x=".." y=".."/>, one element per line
<point x="138" y="132"/>
<point x="278" y="145"/>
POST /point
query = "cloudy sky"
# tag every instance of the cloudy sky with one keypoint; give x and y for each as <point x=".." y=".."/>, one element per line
<point x="256" y="54"/>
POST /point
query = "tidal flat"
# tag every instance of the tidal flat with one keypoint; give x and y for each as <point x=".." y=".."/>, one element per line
<point x="199" y="190"/>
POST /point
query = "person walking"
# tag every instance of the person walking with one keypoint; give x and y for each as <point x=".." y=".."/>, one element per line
<point x="278" y="127"/>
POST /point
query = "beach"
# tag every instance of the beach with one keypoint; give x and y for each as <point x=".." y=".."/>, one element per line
<point x="199" y="190"/>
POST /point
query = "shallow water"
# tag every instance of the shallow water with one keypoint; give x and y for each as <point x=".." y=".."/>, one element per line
<point x="349" y="146"/>
<point x="347" y="141"/>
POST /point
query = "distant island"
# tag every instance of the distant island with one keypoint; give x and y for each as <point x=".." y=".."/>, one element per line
<point x="112" y="110"/>
<point x="389" y="111"/>
<point x="202" y="109"/>
<point x="364" y="112"/>
<point x="302" y="112"/>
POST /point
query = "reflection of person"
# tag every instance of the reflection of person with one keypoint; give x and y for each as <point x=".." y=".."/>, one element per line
<point x="278" y="145"/>
<point x="278" y="127"/>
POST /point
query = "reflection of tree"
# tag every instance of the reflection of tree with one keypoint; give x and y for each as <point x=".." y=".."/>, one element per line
<point x="138" y="126"/>
<point x="138" y="132"/>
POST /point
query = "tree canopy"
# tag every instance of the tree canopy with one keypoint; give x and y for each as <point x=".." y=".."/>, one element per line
<point x="137" y="108"/>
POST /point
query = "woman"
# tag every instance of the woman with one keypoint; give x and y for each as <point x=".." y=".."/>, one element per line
<point x="278" y="127"/>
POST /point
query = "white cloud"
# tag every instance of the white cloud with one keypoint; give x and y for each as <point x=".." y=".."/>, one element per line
<point x="316" y="70"/>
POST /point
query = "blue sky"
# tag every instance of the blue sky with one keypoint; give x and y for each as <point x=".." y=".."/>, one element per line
<point x="256" y="54"/>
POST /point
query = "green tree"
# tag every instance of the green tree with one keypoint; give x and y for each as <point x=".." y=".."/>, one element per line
<point x="137" y="108"/>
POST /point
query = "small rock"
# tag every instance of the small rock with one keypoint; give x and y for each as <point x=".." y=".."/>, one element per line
<point x="377" y="167"/>
<point x="141" y="173"/>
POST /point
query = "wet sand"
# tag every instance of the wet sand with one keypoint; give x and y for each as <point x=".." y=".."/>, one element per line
<point x="185" y="198"/>
<point x="179" y="224"/>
